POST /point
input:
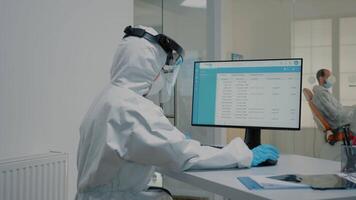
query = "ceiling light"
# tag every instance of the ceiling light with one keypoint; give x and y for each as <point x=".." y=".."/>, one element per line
<point x="194" y="3"/>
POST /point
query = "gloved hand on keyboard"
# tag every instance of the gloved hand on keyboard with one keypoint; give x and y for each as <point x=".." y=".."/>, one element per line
<point x="264" y="152"/>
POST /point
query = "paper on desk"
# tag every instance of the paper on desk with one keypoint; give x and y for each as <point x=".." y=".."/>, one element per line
<point x="268" y="183"/>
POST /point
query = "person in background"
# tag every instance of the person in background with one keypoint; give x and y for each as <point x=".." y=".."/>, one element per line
<point x="336" y="114"/>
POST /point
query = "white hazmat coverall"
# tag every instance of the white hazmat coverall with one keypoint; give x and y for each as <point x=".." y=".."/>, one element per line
<point x="124" y="136"/>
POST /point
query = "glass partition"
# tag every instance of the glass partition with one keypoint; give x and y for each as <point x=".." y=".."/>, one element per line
<point x="324" y="34"/>
<point x="347" y="43"/>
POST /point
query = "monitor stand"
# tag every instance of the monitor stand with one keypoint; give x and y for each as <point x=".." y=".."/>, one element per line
<point x="253" y="137"/>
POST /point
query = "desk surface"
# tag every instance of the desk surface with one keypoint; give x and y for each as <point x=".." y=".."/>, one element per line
<point x="224" y="182"/>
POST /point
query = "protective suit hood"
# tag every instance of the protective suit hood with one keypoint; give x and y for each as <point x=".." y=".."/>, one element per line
<point x="137" y="62"/>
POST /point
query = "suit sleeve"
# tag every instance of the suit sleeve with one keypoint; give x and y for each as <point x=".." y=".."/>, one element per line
<point x="144" y="135"/>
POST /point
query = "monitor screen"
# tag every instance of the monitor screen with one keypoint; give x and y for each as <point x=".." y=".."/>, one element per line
<point x="248" y="93"/>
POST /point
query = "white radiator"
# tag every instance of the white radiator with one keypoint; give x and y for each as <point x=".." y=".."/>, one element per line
<point x="38" y="177"/>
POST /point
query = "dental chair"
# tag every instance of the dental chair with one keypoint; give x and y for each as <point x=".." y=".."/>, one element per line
<point x="331" y="135"/>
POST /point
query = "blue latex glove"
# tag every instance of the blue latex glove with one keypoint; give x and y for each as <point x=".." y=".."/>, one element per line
<point x="263" y="152"/>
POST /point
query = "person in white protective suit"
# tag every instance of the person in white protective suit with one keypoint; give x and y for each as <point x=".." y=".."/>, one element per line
<point x="336" y="114"/>
<point x="124" y="135"/>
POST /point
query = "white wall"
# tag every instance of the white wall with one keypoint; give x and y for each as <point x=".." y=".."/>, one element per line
<point x="54" y="57"/>
<point x="317" y="9"/>
<point x="261" y="28"/>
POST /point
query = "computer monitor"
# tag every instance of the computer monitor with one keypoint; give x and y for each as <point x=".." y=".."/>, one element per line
<point x="251" y="94"/>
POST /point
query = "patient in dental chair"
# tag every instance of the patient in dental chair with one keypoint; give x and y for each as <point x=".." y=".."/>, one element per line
<point x="336" y="114"/>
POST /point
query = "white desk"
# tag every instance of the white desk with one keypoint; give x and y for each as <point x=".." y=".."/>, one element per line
<point x="224" y="182"/>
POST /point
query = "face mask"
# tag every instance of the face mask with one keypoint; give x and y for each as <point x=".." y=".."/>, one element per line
<point x="329" y="82"/>
<point x="170" y="80"/>
<point x="156" y="86"/>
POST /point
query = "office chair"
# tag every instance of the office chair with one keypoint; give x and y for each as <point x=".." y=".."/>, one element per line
<point x="331" y="135"/>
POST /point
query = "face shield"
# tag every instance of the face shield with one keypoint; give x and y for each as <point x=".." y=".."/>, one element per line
<point x="165" y="81"/>
<point x="170" y="74"/>
<point x="173" y="64"/>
